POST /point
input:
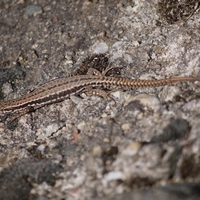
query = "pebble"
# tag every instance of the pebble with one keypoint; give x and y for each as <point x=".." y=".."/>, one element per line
<point x="2" y="127"/>
<point x="126" y="126"/>
<point x="7" y="88"/>
<point x="96" y="151"/>
<point x="115" y="175"/>
<point x="106" y="140"/>
<point x="132" y="149"/>
<point x="81" y="125"/>
<point x="118" y="95"/>
<point x="33" y="10"/>
<point x="100" y="47"/>
<point x="41" y="148"/>
<point x="117" y="44"/>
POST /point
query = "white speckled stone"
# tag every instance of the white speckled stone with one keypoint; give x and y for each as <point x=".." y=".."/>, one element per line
<point x="146" y="100"/>
<point x="100" y="47"/>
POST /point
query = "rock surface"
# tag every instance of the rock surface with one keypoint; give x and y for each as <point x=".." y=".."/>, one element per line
<point x="144" y="144"/>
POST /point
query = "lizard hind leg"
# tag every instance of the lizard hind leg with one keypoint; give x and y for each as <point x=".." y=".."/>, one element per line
<point x="10" y="120"/>
<point x="99" y="92"/>
<point x="96" y="91"/>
